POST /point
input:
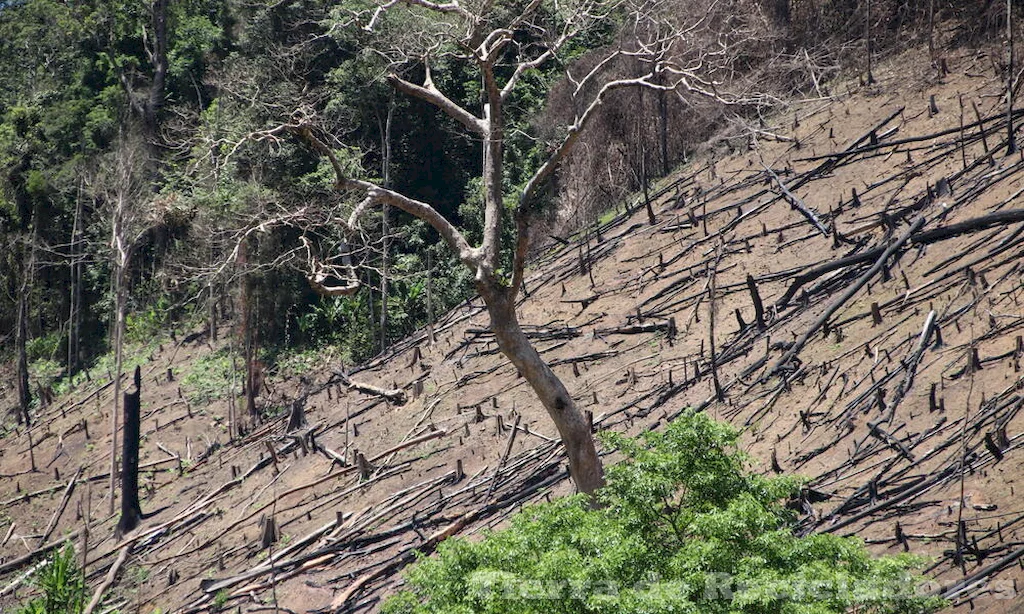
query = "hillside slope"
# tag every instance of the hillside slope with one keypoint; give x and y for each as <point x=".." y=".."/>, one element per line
<point x="912" y="443"/>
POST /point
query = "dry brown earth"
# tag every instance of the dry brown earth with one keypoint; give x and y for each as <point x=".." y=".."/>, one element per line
<point x="853" y="411"/>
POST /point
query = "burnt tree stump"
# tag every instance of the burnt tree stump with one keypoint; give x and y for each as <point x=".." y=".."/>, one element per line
<point x="131" y="511"/>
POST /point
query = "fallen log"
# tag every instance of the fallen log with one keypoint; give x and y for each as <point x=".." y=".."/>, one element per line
<point x="795" y="202"/>
<point x="394" y="395"/>
<point x="60" y="508"/>
<point x="107" y="581"/>
<point x="921" y="238"/>
<point x="850" y="292"/>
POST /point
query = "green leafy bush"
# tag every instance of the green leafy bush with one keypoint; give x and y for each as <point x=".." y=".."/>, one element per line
<point x="684" y="527"/>
<point x="210" y="377"/>
<point x="62" y="585"/>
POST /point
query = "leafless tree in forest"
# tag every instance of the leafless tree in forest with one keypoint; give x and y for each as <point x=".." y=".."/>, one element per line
<point x="121" y="188"/>
<point x="504" y="43"/>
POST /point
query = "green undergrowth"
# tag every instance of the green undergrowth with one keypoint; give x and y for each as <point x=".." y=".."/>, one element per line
<point x="210" y="377"/>
<point x="684" y="526"/>
<point x="61" y="586"/>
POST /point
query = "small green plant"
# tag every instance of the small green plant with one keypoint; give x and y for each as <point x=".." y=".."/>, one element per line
<point x="220" y="600"/>
<point x="45" y="372"/>
<point x="682" y="527"/>
<point x="62" y="585"/>
<point x="210" y="377"/>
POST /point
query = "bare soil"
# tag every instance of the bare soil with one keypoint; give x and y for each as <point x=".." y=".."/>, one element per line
<point x="923" y="480"/>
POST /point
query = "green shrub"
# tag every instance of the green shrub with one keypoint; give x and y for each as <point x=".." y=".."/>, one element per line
<point x="44" y="347"/>
<point x="62" y="585"/>
<point x="147" y="324"/>
<point x="684" y="527"/>
<point x="210" y="377"/>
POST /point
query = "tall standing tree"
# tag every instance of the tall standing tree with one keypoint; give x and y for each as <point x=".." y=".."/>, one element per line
<point x="503" y="43"/>
<point x="123" y="191"/>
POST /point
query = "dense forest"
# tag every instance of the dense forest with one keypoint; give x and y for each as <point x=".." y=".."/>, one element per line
<point x="147" y="185"/>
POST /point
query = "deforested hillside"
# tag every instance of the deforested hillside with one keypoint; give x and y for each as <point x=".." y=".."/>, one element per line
<point x="842" y="284"/>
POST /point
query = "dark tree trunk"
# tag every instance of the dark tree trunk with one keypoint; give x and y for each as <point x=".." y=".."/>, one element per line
<point x="131" y="511"/>
<point x="867" y="39"/>
<point x="1011" y="140"/>
<point x="247" y="335"/>
<point x="24" y="393"/>
<point x="663" y="129"/>
<point x="21" y="334"/>
<point x="385" y="225"/>
<point x="297" y="416"/>
<point x="782" y="14"/>
<point x="75" y="292"/>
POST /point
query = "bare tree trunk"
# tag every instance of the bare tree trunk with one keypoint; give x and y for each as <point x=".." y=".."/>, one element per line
<point x="233" y="397"/>
<point x="131" y="511"/>
<point x="75" y="292"/>
<point x="21" y="341"/>
<point x="867" y="39"/>
<point x="931" y="31"/>
<point x="575" y="430"/>
<point x="119" y="316"/>
<point x="297" y="415"/>
<point x="663" y="129"/>
<point x="1011" y="140"/>
<point x="385" y="226"/>
<point x="159" y="59"/>
<point x="21" y="334"/>
<point x="782" y="13"/>
<point x="246" y="334"/>
<point x="430" y="299"/>
<point x="211" y="315"/>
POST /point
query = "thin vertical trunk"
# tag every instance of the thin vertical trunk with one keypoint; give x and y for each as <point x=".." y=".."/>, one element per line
<point x="867" y="38"/>
<point x="246" y="333"/>
<point x="160" y="65"/>
<point x="931" y="31"/>
<point x="119" y="309"/>
<point x="131" y="511"/>
<point x="430" y="299"/>
<point x="663" y="129"/>
<point x="211" y="315"/>
<point x="584" y="463"/>
<point x="642" y="142"/>
<point x="1011" y="140"/>
<point x="21" y="335"/>
<point x="21" y="341"/>
<point x="75" y="292"/>
<point x="385" y="226"/>
<point x="232" y="398"/>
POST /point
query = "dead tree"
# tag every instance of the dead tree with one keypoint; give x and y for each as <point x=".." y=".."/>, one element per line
<point x="21" y="336"/>
<point x="131" y="511"/>
<point x="130" y="223"/>
<point x="1011" y="140"/>
<point x="494" y="44"/>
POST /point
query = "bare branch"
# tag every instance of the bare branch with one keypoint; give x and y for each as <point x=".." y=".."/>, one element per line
<point x="574" y="132"/>
<point x="320" y="272"/>
<point x="429" y="93"/>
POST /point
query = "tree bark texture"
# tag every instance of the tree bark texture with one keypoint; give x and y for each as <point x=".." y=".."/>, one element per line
<point x="573" y="427"/>
<point x="131" y="511"/>
<point x="21" y="340"/>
